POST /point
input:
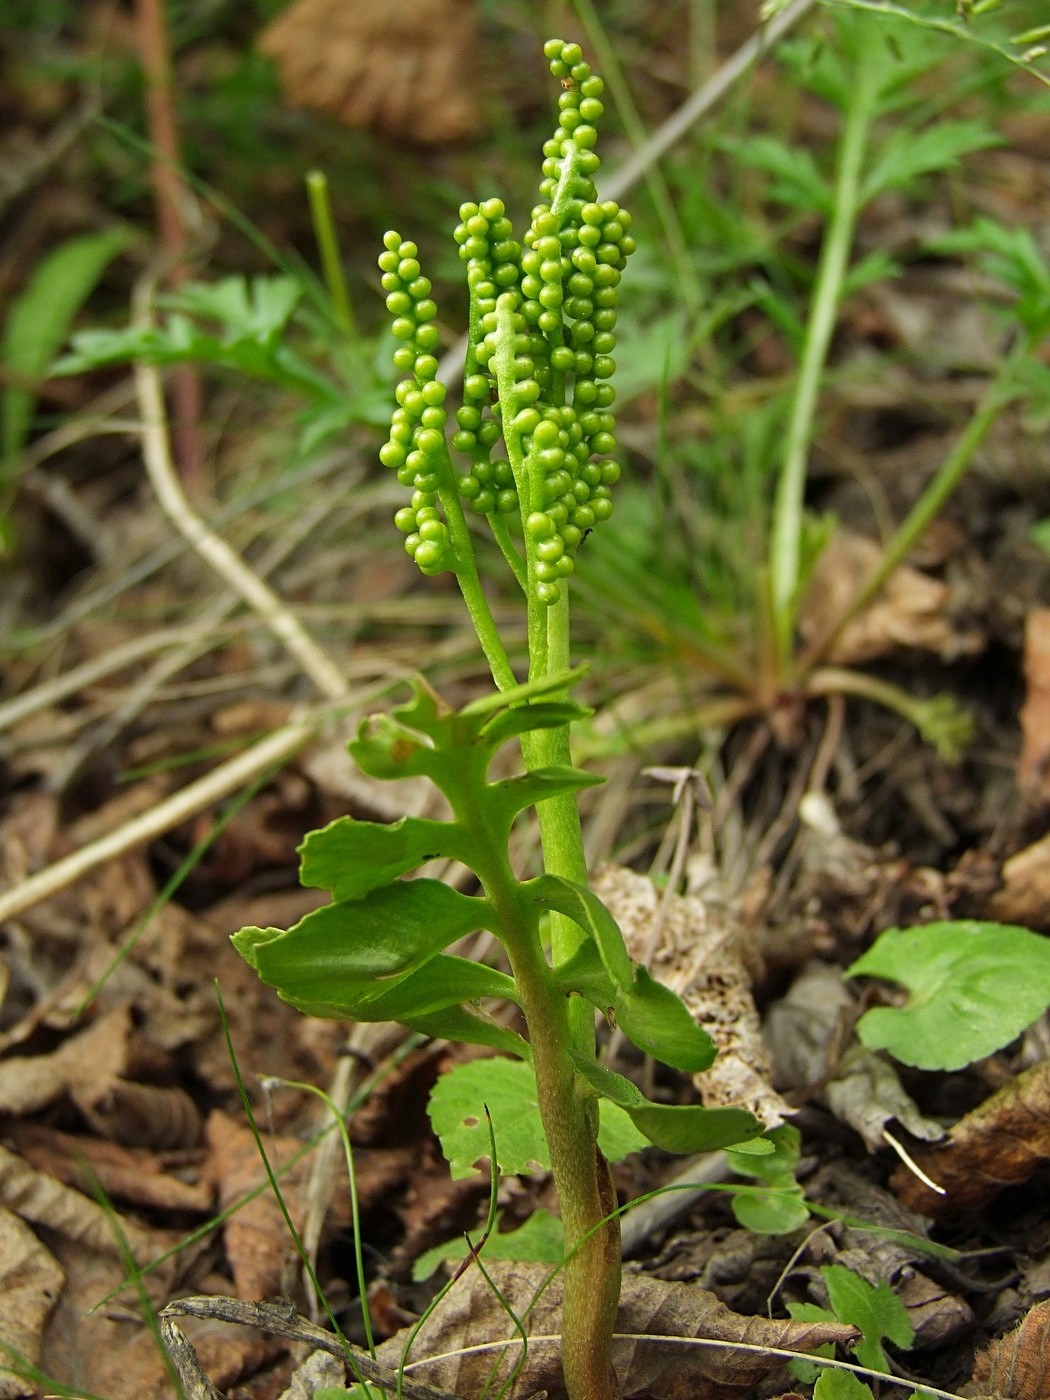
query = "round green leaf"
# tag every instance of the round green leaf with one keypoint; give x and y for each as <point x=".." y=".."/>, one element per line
<point x="973" y="988"/>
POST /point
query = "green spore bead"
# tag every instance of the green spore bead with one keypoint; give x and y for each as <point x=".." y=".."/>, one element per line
<point x="540" y="526"/>
<point x="405" y="520"/>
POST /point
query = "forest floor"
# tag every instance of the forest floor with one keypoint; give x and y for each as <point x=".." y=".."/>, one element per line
<point x="132" y="1036"/>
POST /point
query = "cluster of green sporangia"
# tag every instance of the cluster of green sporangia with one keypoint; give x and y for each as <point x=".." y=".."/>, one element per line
<point x="556" y="296"/>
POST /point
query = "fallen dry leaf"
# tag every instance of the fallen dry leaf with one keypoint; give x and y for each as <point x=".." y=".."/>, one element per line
<point x="1024" y="897"/>
<point x="912" y="611"/>
<point x="711" y="964"/>
<point x="1001" y="1143"/>
<point x="31" y="1280"/>
<point x="403" y="68"/>
<point x="470" y="1314"/>
<point x="1033" y="763"/>
<point x="83" y="1066"/>
<point x="130" y="1176"/>
<point x="1017" y="1366"/>
<point x="807" y="1031"/>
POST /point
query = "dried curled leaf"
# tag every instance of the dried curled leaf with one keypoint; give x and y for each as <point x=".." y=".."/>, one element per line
<point x="912" y="611"/>
<point x="471" y="1314"/>
<point x="712" y="966"/>
<point x="1001" y="1143"/>
<point x="403" y="68"/>
<point x="30" y="1282"/>
<point x="1017" y="1366"/>
<point x="805" y="1031"/>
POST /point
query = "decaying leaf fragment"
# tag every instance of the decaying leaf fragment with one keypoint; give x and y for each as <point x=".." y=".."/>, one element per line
<point x="1017" y="1366"/>
<point x="30" y="1282"/>
<point x="471" y="1314"/>
<point x="807" y="1032"/>
<point x="912" y="611"/>
<point x="1001" y="1143"/>
<point x="403" y="68"/>
<point x="712" y="965"/>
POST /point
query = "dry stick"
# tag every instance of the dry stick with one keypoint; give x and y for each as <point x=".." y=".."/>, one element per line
<point x="276" y="748"/>
<point x="214" y="550"/>
<point x="170" y="663"/>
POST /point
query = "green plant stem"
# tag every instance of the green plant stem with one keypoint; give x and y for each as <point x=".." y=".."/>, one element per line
<point x="328" y="250"/>
<point x="558" y="1027"/>
<point x="786" y="535"/>
<point x="1000" y="392"/>
<point x="469" y="581"/>
<point x="570" y="1120"/>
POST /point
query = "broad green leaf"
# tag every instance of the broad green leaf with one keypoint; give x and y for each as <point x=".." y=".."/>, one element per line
<point x="385" y="748"/>
<point x="675" y="1128"/>
<point x="39" y="321"/>
<point x="351" y="857"/>
<point x="584" y="907"/>
<point x="508" y="1088"/>
<point x="388" y="934"/>
<point x="467" y="1026"/>
<point x="540" y="1237"/>
<point x="877" y="1311"/>
<point x="763" y="1211"/>
<point x="974" y="987"/>
<point x="833" y="1384"/>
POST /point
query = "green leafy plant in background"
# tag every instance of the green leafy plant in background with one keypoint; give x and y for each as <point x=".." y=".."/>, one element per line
<point x="875" y="1310"/>
<point x="36" y="327"/>
<point x="535" y="432"/>
<point x="973" y="987"/>
<point x="710" y="578"/>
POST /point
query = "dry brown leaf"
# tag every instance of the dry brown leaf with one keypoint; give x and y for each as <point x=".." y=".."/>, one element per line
<point x="82" y="1066"/>
<point x="42" y="1200"/>
<point x="470" y="1314"/>
<point x="1024" y="897"/>
<point x="712" y="965"/>
<point x="403" y="68"/>
<point x="31" y="1280"/>
<point x="1033" y="764"/>
<point x="1001" y="1143"/>
<point x="258" y="1246"/>
<point x="1017" y="1366"/>
<point x="131" y="1176"/>
<point x="912" y="611"/>
<point x="807" y="1031"/>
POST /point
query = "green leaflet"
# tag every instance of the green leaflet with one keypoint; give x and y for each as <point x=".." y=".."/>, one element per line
<point x="675" y="1128"/>
<point x="369" y="942"/>
<point x="649" y="1014"/>
<point x="351" y="857"/>
<point x="584" y="907"/>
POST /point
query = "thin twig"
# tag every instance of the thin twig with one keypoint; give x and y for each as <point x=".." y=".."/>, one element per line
<point x="281" y="1321"/>
<point x="277" y="748"/>
<point x="212" y="548"/>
